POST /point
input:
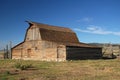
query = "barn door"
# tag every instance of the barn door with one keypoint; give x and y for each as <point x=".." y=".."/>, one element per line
<point x="28" y="52"/>
<point x="60" y="53"/>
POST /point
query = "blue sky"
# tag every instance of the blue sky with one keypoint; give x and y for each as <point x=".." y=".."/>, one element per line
<point x="92" y="20"/>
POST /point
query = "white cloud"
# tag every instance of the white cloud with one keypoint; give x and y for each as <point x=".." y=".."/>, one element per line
<point x="85" y="19"/>
<point x="97" y="30"/>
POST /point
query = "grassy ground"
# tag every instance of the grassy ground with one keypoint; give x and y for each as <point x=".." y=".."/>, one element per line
<point x="69" y="70"/>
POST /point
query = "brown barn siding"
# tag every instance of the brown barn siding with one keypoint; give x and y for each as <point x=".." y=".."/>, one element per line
<point x="83" y="53"/>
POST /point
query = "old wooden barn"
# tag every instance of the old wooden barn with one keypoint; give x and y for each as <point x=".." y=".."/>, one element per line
<point x="52" y="43"/>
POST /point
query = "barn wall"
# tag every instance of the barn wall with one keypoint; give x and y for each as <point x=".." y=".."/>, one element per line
<point x="54" y="51"/>
<point x="83" y="53"/>
<point x="17" y="51"/>
<point x="33" y="33"/>
<point x="50" y="51"/>
<point x="28" y="50"/>
<point x="39" y="50"/>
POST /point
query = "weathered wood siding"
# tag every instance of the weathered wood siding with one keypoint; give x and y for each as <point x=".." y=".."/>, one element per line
<point x="74" y="53"/>
<point x="33" y="34"/>
<point x="39" y="50"/>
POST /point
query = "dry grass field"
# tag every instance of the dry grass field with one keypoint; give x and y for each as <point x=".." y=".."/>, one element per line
<point x="69" y="70"/>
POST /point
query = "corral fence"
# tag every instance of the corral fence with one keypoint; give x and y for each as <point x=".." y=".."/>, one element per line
<point x="111" y="51"/>
<point x="6" y="52"/>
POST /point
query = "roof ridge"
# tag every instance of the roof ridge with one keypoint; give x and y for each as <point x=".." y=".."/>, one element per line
<point x="51" y="27"/>
<point x="32" y="22"/>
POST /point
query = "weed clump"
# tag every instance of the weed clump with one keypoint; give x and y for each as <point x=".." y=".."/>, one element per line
<point x="22" y="66"/>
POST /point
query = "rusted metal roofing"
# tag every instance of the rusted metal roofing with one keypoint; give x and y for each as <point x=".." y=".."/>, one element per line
<point x="58" y="36"/>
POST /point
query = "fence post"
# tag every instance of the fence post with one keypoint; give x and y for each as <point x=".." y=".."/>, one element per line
<point x="7" y="52"/>
<point x="10" y="53"/>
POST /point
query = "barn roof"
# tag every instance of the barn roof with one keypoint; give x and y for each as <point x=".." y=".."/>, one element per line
<point x="55" y="33"/>
<point x="60" y="35"/>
